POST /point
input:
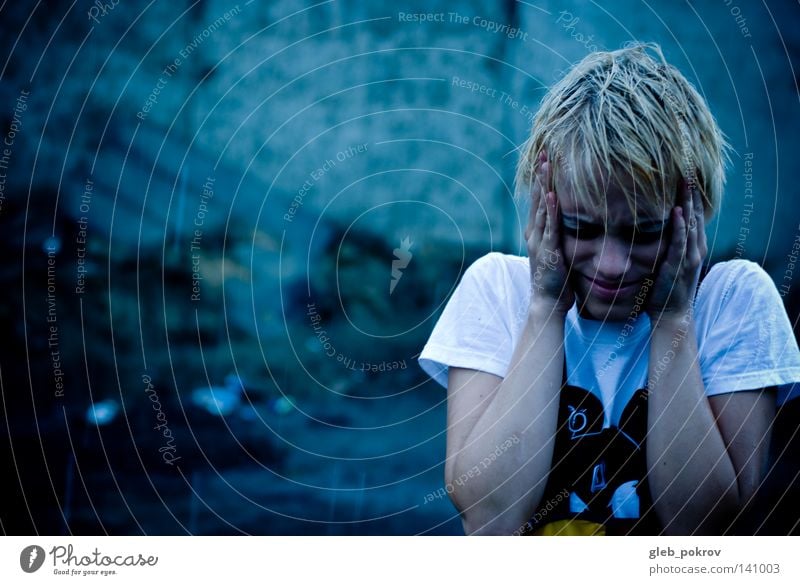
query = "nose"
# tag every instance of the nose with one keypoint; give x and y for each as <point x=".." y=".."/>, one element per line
<point x="612" y="259"/>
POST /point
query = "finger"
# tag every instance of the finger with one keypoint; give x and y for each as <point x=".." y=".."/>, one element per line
<point x="541" y="178"/>
<point x="699" y="222"/>
<point x="536" y="225"/>
<point x="552" y="218"/>
<point x="677" y="249"/>
<point x="702" y="240"/>
<point x="686" y="199"/>
<point x="529" y="226"/>
<point x="534" y="205"/>
<point x="546" y="176"/>
<point x="555" y="256"/>
<point x="538" y="190"/>
<point x="696" y="243"/>
<point x="697" y="199"/>
<point x="553" y="231"/>
<point x="541" y="216"/>
<point x="689" y="217"/>
<point x="691" y="237"/>
<point x="549" y="214"/>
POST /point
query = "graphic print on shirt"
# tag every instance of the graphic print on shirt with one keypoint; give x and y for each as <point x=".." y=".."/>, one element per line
<point x="603" y="469"/>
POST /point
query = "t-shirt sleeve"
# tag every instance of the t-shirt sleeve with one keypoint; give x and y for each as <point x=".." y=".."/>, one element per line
<point x="473" y="330"/>
<point x="750" y="343"/>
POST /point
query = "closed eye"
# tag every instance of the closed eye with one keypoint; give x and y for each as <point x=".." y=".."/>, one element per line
<point x="646" y="237"/>
<point x="644" y="234"/>
<point x="649" y="233"/>
<point x="587" y="231"/>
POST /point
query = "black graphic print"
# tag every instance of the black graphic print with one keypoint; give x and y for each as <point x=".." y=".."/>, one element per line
<point x="603" y="469"/>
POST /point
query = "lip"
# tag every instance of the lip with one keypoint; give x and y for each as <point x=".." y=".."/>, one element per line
<point x="609" y="291"/>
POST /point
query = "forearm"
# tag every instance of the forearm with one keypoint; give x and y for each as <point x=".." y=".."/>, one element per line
<point x="691" y="476"/>
<point x="510" y="449"/>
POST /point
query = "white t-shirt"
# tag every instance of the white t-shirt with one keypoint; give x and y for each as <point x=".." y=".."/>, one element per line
<point x="745" y="340"/>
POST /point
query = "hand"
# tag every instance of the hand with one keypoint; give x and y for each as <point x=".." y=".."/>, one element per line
<point x="677" y="277"/>
<point x="543" y="235"/>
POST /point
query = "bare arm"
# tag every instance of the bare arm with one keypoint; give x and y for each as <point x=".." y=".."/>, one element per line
<point x="705" y="456"/>
<point x="692" y="479"/>
<point x="745" y="421"/>
<point x="501" y="432"/>
<point x="507" y="478"/>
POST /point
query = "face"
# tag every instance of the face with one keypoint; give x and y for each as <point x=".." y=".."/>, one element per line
<point x="609" y="253"/>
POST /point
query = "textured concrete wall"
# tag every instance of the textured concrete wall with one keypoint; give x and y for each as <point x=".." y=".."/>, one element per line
<point x="272" y="91"/>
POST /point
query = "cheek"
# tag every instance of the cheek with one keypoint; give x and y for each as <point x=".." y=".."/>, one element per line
<point x="568" y="247"/>
<point x="577" y="251"/>
<point x="649" y="255"/>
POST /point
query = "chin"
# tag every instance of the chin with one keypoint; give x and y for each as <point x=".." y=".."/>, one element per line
<point x="603" y="311"/>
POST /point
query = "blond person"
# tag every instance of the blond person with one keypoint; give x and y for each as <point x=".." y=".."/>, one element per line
<point x="609" y="365"/>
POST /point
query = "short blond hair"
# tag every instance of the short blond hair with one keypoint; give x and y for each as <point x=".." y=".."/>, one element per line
<point x="629" y="118"/>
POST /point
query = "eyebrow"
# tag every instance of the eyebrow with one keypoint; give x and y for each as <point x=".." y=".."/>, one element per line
<point x="579" y="218"/>
<point x="653" y="224"/>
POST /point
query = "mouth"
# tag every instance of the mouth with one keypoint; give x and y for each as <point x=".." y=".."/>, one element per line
<point x="610" y="291"/>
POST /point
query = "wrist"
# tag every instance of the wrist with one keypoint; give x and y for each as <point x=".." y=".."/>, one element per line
<point x="542" y="309"/>
<point x="671" y="319"/>
<point x="673" y="328"/>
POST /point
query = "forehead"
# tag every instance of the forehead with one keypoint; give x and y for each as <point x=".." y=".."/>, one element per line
<point x="615" y="209"/>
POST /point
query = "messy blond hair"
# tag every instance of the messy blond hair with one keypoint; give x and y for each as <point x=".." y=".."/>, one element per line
<point x="630" y="119"/>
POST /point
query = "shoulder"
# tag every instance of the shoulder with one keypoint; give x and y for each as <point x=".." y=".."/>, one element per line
<point x="745" y="338"/>
<point x="730" y="269"/>
<point x="738" y="303"/>
<point x="497" y="262"/>
<point x="502" y="274"/>
<point x="738" y="277"/>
